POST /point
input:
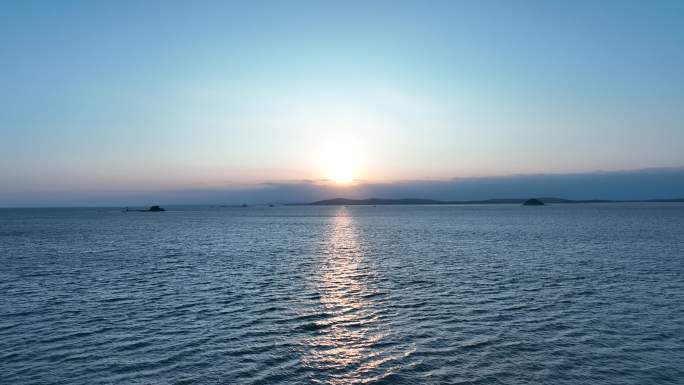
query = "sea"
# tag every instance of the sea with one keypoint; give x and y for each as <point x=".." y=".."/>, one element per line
<point x="446" y="294"/>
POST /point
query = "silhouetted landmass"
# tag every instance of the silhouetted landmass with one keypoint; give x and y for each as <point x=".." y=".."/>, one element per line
<point x="533" y="202"/>
<point x="375" y="201"/>
<point x="153" y="209"/>
<point x="416" y="201"/>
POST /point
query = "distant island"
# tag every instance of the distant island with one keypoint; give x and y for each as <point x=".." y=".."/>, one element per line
<point x="152" y="209"/>
<point x="417" y="201"/>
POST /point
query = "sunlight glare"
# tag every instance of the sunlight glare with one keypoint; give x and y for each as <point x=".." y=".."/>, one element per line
<point x="341" y="161"/>
<point x="341" y="173"/>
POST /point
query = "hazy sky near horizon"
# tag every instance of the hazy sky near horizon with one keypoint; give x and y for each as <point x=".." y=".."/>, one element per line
<point x="153" y="95"/>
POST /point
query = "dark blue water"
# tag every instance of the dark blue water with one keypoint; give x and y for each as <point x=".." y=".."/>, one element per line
<point x="499" y="294"/>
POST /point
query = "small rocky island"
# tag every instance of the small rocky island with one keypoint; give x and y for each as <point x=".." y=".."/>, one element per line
<point x="152" y="209"/>
<point x="533" y="202"/>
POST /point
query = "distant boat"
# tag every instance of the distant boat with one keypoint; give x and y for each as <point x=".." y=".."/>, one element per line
<point x="244" y="205"/>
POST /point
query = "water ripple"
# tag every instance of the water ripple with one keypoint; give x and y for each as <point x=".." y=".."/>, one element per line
<point x="334" y="295"/>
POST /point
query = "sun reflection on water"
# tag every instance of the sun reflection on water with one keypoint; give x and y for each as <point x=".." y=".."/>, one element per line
<point x="346" y="344"/>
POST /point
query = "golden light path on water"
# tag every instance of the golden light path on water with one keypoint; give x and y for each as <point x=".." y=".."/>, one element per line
<point x="346" y="346"/>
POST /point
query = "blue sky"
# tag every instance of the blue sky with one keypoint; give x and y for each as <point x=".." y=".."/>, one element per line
<point x="152" y="96"/>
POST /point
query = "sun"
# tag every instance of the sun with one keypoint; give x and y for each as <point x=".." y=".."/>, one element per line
<point x="340" y="161"/>
<point x="341" y="172"/>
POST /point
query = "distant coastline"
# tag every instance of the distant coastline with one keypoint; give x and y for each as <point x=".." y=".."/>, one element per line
<point x="418" y="201"/>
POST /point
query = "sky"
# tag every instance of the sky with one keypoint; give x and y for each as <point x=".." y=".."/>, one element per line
<point x="106" y="101"/>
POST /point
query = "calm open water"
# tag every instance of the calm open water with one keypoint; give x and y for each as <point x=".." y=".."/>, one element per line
<point x="492" y="294"/>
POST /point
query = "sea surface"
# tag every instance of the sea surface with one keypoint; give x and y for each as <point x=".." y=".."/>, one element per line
<point x="482" y="294"/>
